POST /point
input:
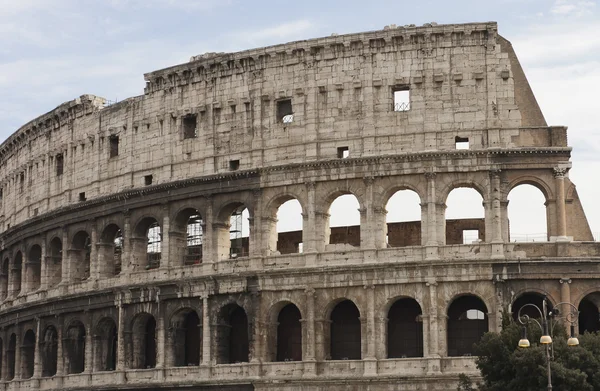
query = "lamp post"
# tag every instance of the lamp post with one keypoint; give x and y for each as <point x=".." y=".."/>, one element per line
<point x="546" y="339"/>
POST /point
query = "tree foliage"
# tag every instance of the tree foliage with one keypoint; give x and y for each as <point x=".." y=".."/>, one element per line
<point x="504" y="366"/>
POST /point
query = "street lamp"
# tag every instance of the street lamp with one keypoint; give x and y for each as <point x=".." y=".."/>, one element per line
<point x="546" y="338"/>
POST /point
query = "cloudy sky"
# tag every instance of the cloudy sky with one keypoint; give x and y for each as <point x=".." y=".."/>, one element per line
<point x="52" y="51"/>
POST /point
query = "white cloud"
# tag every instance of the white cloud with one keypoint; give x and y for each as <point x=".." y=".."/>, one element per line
<point x="572" y="7"/>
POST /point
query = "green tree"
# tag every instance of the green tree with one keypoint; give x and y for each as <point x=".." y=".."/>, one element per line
<point x="504" y="366"/>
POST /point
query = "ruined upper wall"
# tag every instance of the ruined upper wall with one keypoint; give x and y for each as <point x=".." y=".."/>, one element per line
<point x="340" y="90"/>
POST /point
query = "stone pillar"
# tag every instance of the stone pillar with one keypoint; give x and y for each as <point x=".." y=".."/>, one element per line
<point x="126" y="252"/>
<point x="322" y="230"/>
<point x="165" y="261"/>
<point x="18" y="348"/>
<point x="561" y="214"/>
<point x="430" y="240"/>
<point x="308" y="226"/>
<point x="65" y="256"/>
<point x="89" y="344"/>
<point x="369" y="232"/>
<point x="208" y="239"/>
<point x="371" y="334"/>
<point x="120" y="334"/>
<point x="496" y="215"/>
<point x="434" y="329"/>
<point x="24" y="280"/>
<point x="256" y="244"/>
<point x="60" y="361"/>
<point x="310" y="344"/>
<point x="160" y="339"/>
<point x="44" y="265"/>
<point x="37" y="358"/>
<point x="206" y="333"/>
<point x="440" y="212"/>
<point x="4" y="354"/>
<point x="565" y="297"/>
<point x="94" y="264"/>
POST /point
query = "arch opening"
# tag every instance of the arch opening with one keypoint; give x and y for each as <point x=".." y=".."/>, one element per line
<point x="403" y="219"/>
<point x="289" y="334"/>
<point x="27" y="355"/>
<point x="74" y="347"/>
<point x="10" y="356"/>
<point x="529" y="298"/>
<point x="187" y="237"/>
<point x="49" y="352"/>
<point x="233" y="342"/>
<point x="465" y="216"/>
<point x="527" y="214"/>
<point x="54" y="262"/>
<point x="467" y="322"/>
<point x="239" y="233"/>
<point x="147" y="244"/>
<point x="16" y="274"/>
<point x="33" y="268"/>
<point x="106" y="345"/>
<point x="4" y="277"/>
<point x="187" y="337"/>
<point x="345" y="332"/>
<point x="589" y="313"/>
<point x="405" y="329"/>
<point x="144" y="342"/>
<point x="80" y="255"/>
<point x="110" y="251"/>
<point x="344" y="221"/>
<point x="289" y="227"/>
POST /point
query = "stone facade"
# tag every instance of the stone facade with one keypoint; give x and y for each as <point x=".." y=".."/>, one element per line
<point x="122" y="269"/>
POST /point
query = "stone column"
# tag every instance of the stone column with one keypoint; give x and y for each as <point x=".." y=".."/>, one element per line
<point x="65" y="256"/>
<point x="431" y="241"/>
<point x="89" y="344"/>
<point x="208" y="239"/>
<point x="256" y="245"/>
<point x="496" y="214"/>
<point x="206" y="333"/>
<point x="120" y="334"/>
<point x="126" y="253"/>
<point x="37" y="359"/>
<point x="18" y="348"/>
<point x="433" y="320"/>
<point x="565" y="297"/>
<point x="561" y="214"/>
<point x="371" y="334"/>
<point x="310" y="344"/>
<point x="25" y="288"/>
<point x="165" y="260"/>
<point x="60" y="361"/>
<point x="160" y="338"/>
<point x="308" y="226"/>
<point x="4" y="354"/>
<point x="369" y="232"/>
<point x="94" y="264"/>
<point x="44" y="265"/>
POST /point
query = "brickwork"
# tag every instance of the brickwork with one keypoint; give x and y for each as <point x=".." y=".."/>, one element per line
<point x="123" y="262"/>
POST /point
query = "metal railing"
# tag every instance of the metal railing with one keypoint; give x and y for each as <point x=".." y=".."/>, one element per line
<point x="402" y="106"/>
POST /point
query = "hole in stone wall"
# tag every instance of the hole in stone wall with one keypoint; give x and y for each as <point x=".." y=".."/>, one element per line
<point x="234" y="165"/>
<point x="285" y="113"/>
<point x="461" y="142"/>
<point x="82" y="196"/>
<point x="343" y="152"/>
<point x="470" y="236"/>
<point x="114" y="145"/>
<point x="401" y="98"/>
<point x="190" y="128"/>
<point x="60" y="161"/>
<point x="147" y="180"/>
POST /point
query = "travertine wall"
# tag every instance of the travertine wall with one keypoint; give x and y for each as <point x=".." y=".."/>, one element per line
<point x="64" y="282"/>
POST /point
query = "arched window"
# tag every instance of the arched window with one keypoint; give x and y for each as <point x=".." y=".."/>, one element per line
<point x="193" y="255"/>
<point x="154" y="248"/>
<point x="239" y="233"/>
<point x="403" y="219"/>
<point x="344" y="221"/>
<point x="589" y="315"/>
<point x="289" y="227"/>
<point x="405" y="329"/>
<point x="4" y="279"/>
<point x="27" y="355"/>
<point x="74" y="347"/>
<point x="144" y="342"/>
<point x="110" y="251"/>
<point x="289" y="334"/>
<point x="54" y="263"/>
<point x="527" y="214"/>
<point x="80" y="256"/>
<point x="467" y="322"/>
<point x="10" y="356"/>
<point x="345" y="332"/>
<point x="187" y="338"/>
<point x="33" y="267"/>
<point x="233" y="342"/>
<point x="465" y="216"/>
<point x="106" y="345"/>
<point x="529" y="298"/>
<point x="49" y="352"/>
<point x="16" y="274"/>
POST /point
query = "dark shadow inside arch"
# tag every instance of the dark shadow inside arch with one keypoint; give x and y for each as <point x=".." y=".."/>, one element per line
<point x="49" y="351"/>
<point x="4" y="279"/>
<point x="589" y="313"/>
<point x="187" y="339"/>
<point x="529" y="298"/>
<point x="233" y="342"/>
<point x="110" y="251"/>
<point x="33" y="269"/>
<point x="54" y="262"/>
<point x="74" y="347"/>
<point x="106" y="345"/>
<point x="15" y="273"/>
<point x="345" y="332"/>
<point x="10" y="356"/>
<point x="467" y="322"/>
<point x="80" y="254"/>
<point x="405" y="329"/>
<point x="27" y="354"/>
<point x="289" y="334"/>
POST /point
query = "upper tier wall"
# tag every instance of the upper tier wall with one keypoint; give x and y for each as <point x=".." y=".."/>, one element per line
<point x="341" y="94"/>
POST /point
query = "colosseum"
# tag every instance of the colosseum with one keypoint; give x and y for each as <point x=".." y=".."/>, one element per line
<point x="141" y="248"/>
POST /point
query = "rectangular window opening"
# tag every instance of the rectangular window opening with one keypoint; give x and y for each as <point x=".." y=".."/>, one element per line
<point x="285" y="113"/>
<point x="114" y="146"/>
<point x="343" y="152"/>
<point x="60" y="161"/>
<point x="234" y="165"/>
<point x="401" y="98"/>
<point x="461" y="142"/>
<point x="21" y="182"/>
<point x="190" y="128"/>
<point x="470" y="236"/>
<point x="35" y="211"/>
<point x="82" y="196"/>
<point x="148" y="180"/>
